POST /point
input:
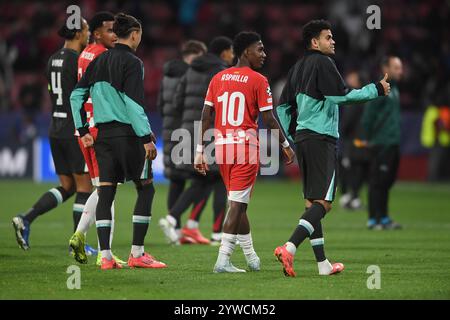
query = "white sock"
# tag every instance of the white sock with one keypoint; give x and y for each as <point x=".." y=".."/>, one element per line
<point x="107" y="254"/>
<point x="192" y="224"/>
<point x="291" y="248"/>
<point x="88" y="216"/>
<point x="179" y="234"/>
<point x="137" y="251"/>
<point x="216" y="236"/>
<point x="246" y="242"/>
<point x="228" y="243"/>
<point x="325" y="267"/>
<point x="222" y="259"/>
<point x="171" y="220"/>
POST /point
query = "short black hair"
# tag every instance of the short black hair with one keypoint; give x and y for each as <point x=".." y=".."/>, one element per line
<point x="98" y="19"/>
<point x="219" y="44"/>
<point x="243" y="40"/>
<point x="124" y="24"/>
<point x="192" y="47"/>
<point x="313" y="29"/>
<point x="69" y="34"/>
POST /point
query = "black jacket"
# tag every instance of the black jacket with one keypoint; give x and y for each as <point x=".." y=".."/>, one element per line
<point x="173" y="71"/>
<point x="314" y="89"/>
<point x="190" y="97"/>
<point x="115" y="82"/>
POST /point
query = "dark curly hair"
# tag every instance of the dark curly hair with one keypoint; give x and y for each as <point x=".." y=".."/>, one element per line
<point x="243" y="40"/>
<point x="219" y="44"/>
<point x="312" y="30"/>
<point x="98" y="19"/>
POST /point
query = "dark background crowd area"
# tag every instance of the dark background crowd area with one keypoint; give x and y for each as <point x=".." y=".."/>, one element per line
<point x="417" y="31"/>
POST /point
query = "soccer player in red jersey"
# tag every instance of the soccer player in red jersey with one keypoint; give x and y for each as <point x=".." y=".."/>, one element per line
<point x="238" y="95"/>
<point x="104" y="38"/>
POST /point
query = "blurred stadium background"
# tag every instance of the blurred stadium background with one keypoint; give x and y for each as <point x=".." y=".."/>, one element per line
<point x="417" y="31"/>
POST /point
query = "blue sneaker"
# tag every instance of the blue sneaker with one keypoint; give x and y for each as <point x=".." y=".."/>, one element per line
<point x="22" y="229"/>
<point x="388" y="224"/>
<point x="90" y="251"/>
<point x="372" y="224"/>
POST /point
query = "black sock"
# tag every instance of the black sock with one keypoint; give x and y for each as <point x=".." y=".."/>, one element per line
<point x="305" y="228"/>
<point x="103" y="216"/>
<point x="49" y="200"/>
<point x="78" y="206"/>
<point x="317" y="242"/>
<point x="142" y="213"/>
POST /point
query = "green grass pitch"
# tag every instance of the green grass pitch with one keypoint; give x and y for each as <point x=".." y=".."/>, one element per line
<point x="414" y="262"/>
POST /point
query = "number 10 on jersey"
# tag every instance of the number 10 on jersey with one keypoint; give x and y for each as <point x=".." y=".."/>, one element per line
<point x="228" y="105"/>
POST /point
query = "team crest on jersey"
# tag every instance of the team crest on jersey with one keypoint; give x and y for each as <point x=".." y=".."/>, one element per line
<point x="269" y="92"/>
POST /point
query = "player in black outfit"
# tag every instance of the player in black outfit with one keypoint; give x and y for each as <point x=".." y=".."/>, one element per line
<point x="125" y="144"/>
<point x="67" y="157"/>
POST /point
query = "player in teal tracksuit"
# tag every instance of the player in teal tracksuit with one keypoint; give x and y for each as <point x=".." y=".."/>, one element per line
<point x="308" y="112"/>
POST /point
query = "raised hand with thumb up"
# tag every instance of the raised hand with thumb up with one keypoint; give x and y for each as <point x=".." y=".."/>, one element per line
<point x="386" y="85"/>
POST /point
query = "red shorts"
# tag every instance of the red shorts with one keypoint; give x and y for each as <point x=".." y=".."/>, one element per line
<point x="90" y="158"/>
<point x="238" y="165"/>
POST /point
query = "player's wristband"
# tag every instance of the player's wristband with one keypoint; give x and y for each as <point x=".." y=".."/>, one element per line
<point x="285" y="144"/>
<point x="200" y="148"/>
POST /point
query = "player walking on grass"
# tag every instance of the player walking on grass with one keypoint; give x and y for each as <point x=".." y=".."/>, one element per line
<point x="238" y="95"/>
<point x="100" y="27"/>
<point x="125" y="144"/>
<point x="67" y="157"/>
<point x="308" y="110"/>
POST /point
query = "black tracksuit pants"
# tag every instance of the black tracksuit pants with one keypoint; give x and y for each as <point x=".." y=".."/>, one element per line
<point x="383" y="173"/>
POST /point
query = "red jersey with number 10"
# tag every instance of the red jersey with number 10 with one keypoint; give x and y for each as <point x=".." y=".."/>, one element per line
<point x="237" y="96"/>
<point x="91" y="52"/>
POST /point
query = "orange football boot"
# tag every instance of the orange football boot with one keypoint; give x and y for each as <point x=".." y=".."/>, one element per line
<point x="195" y="235"/>
<point x="145" y="261"/>
<point x="110" y="264"/>
<point x="286" y="259"/>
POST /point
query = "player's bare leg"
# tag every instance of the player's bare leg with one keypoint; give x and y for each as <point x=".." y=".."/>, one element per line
<point x="229" y="237"/>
